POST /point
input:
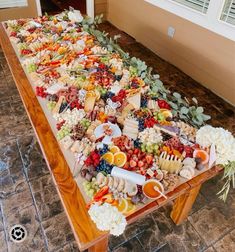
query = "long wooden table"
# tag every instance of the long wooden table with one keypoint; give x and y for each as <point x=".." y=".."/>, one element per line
<point x="85" y="231"/>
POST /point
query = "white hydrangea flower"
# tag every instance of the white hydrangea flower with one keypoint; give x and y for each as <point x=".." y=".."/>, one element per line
<point x="223" y="140"/>
<point x="75" y="16"/>
<point x="108" y="218"/>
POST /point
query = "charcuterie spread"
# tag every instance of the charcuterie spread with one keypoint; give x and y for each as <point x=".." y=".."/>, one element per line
<point x="131" y="139"/>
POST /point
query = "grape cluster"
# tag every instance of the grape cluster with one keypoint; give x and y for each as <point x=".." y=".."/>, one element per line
<point x="103" y="150"/>
<point x="64" y="131"/>
<point x="103" y="166"/>
<point x="51" y="105"/>
<point x="63" y="107"/>
<point x="90" y="188"/>
<point x="150" y="148"/>
<point x="141" y="124"/>
<point x="31" y="68"/>
<point x="85" y="123"/>
<point x="144" y="102"/>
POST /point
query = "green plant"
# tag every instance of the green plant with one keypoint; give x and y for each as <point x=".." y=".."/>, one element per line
<point x="229" y="177"/>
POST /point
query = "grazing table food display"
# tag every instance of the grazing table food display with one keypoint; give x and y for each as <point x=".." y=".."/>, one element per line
<point x="118" y="144"/>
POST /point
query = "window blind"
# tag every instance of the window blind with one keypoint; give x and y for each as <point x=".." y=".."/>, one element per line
<point x="228" y="12"/>
<point x="198" y="5"/>
<point x="12" y="3"/>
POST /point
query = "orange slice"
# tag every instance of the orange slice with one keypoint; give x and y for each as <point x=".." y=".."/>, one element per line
<point x="122" y="206"/>
<point x="108" y="157"/>
<point x="120" y="159"/>
<point x="203" y="155"/>
<point x="114" y="149"/>
<point x="166" y="113"/>
<point x="90" y="93"/>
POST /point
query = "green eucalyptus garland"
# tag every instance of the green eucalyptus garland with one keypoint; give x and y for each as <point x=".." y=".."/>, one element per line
<point x="188" y="112"/>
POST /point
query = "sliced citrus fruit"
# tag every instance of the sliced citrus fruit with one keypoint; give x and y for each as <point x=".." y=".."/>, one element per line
<point x="122" y="206"/>
<point x="166" y="113"/>
<point x="120" y="159"/>
<point x="203" y="155"/>
<point x="131" y="207"/>
<point x="114" y="149"/>
<point x="90" y="93"/>
<point x="108" y="157"/>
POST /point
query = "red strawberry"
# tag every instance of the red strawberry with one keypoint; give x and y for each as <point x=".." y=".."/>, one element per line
<point x="136" y="151"/>
<point x="126" y="166"/>
<point x="132" y="163"/>
<point x="135" y="158"/>
<point x="130" y="152"/>
<point x="140" y="163"/>
<point x="149" y="159"/>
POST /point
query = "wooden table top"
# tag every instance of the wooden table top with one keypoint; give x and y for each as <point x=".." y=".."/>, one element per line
<point x="85" y="231"/>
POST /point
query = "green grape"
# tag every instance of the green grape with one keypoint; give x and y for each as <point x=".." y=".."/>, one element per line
<point x="160" y="117"/>
<point x="156" y="147"/>
<point x="51" y="105"/>
<point x="64" y="131"/>
<point x="31" y="68"/>
<point x="92" y="191"/>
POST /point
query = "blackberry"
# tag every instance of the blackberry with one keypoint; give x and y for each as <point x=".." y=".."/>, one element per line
<point x="144" y="102"/>
<point x="108" y="95"/>
<point x="118" y="77"/>
<point x="137" y="143"/>
<point x="63" y="106"/>
<point x="141" y="125"/>
<point x="140" y="190"/>
<point x="103" y="166"/>
<point x="103" y="150"/>
<point x="53" y="97"/>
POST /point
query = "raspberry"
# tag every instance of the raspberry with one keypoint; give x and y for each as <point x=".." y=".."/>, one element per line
<point x="163" y="104"/>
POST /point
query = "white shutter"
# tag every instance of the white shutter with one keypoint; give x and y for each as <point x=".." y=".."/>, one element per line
<point x="198" y="5"/>
<point x="13" y="3"/>
<point x="228" y="12"/>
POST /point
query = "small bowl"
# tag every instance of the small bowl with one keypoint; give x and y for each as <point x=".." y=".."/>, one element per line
<point x="151" y="183"/>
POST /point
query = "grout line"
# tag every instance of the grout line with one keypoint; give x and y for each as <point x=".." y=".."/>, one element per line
<point x="160" y="247"/>
<point x="221" y="237"/>
<point x="214" y="248"/>
<point x="128" y="239"/>
<point x="201" y="238"/>
<point x="34" y="201"/>
<point x="140" y="243"/>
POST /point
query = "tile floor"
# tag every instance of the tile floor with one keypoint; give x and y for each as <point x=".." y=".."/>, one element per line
<point x="28" y="195"/>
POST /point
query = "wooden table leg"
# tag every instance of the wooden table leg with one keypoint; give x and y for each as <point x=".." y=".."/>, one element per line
<point x="183" y="204"/>
<point x="101" y="246"/>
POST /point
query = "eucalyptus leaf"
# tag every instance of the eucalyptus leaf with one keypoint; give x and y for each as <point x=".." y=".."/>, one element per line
<point x="199" y="109"/>
<point x="206" y="117"/>
<point x="173" y="105"/>
<point x="184" y="110"/>
<point x="176" y="95"/>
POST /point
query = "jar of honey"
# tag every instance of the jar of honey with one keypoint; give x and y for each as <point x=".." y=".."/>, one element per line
<point x="152" y="188"/>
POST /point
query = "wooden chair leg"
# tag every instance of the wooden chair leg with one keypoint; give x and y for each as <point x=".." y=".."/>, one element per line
<point x="183" y="205"/>
<point x="101" y="246"/>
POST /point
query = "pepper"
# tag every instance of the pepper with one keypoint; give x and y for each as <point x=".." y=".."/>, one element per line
<point x="103" y="191"/>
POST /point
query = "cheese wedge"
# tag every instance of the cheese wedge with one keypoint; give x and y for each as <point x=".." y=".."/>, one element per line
<point x="135" y="100"/>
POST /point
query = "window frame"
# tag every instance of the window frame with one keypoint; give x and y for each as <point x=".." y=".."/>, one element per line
<point x="11" y="5"/>
<point x="210" y="20"/>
